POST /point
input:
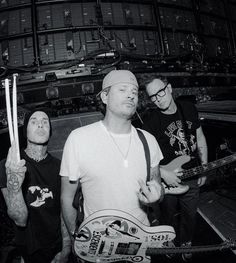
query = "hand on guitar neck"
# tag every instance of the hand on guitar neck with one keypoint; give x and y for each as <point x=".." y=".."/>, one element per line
<point x="171" y="178"/>
<point x="171" y="181"/>
<point x="173" y="174"/>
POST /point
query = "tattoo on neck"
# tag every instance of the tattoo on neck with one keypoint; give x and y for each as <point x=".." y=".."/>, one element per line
<point x="35" y="154"/>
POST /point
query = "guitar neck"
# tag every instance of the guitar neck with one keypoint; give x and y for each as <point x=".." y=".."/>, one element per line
<point x="208" y="167"/>
<point x="194" y="249"/>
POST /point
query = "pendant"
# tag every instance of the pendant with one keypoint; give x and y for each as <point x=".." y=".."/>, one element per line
<point x="126" y="164"/>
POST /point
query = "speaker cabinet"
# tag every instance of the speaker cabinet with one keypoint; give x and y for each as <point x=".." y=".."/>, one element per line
<point x="62" y="126"/>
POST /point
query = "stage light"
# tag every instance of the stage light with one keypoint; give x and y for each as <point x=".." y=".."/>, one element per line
<point x="52" y="93"/>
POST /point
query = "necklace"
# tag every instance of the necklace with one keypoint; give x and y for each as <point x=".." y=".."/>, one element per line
<point x="124" y="156"/>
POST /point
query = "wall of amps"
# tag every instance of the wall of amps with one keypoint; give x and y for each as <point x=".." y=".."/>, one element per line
<point x="66" y="30"/>
<point x="63" y="48"/>
<point x="43" y="32"/>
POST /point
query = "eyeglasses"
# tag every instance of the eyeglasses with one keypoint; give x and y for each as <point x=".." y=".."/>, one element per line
<point x="160" y="93"/>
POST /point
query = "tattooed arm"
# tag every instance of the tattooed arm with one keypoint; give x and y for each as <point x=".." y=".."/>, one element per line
<point x="15" y="173"/>
<point x="202" y="146"/>
<point x="203" y="152"/>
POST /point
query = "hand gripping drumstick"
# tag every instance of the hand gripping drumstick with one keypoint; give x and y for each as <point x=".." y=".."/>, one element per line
<point x="13" y="130"/>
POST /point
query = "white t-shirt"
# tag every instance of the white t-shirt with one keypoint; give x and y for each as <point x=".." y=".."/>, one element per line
<point x="96" y="158"/>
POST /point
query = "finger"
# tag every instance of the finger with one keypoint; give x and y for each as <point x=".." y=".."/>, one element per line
<point x="11" y="156"/>
<point x="142" y="198"/>
<point x="152" y="183"/>
<point x="178" y="181"/>
<point x="199" y="181"/>
<point x="178" y="170"/>
<point x="11" y="161"/>
<point x="21" y="163"/>
<point x="143" y="187"/>
<point x="154" y="187"/>
<point x="21" y="170"/>
<point x="141" y="183"/>
<point x="16" y="168"/>
<point x="179" y="174"/>
<point x="16" y="153"/>
<point x="175" y="184"/>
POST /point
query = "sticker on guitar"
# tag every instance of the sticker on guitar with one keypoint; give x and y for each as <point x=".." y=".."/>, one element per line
<point x="198" y="170"/>
<point x="113" y="235"/>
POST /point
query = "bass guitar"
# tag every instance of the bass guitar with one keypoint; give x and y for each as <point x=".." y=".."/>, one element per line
<point x="113" y="235"/>
<point x="192" y="172"/>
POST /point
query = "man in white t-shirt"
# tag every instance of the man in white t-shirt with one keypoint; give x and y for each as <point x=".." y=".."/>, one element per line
<point x="107" y="157"/>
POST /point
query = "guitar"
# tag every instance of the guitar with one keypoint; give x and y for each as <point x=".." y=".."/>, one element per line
<point x="113" y="235"/>
<point x="188" y="173"/>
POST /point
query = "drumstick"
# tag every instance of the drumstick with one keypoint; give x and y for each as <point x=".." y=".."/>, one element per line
<point x="15" y="120"/>
<point x="8" y="105"/>
<point x="13" y="128"/>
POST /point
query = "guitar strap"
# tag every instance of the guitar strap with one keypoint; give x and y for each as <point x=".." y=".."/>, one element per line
<point x="152" y="211"/>
<point x="146" y="150"/>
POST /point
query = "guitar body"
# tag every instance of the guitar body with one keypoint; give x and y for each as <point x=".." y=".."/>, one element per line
<point x="177" y="163"/>
<point x="113" y="235"/>
<point x="171" y="166"/>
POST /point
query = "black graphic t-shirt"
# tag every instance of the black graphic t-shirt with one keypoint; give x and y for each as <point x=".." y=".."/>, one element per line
<point x="41" y="190"/>
<point x="169" y="131"/>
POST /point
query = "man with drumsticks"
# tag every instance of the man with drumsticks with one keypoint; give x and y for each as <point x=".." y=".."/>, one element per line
<point x="31" y="189"/>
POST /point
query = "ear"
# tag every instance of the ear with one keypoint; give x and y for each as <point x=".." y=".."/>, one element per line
<point x="169" y="87"/>
<point x="104" y="97"/>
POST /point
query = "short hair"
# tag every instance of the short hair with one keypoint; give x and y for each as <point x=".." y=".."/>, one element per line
<point x="147" y="79"/>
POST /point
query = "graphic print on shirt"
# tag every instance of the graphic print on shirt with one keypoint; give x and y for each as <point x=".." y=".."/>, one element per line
<point x="176" y="134"/>
<point x="39" y="195"/>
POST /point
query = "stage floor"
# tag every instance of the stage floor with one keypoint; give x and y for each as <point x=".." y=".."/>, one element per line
<point x="218" y="209"/>
<point x="216" y="222"/>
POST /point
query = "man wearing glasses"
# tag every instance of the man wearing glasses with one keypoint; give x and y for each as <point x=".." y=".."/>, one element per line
<point x="177" y="129"/>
